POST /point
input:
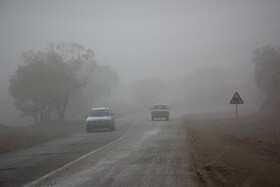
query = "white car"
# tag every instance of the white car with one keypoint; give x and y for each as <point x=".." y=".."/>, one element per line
<point x="160" y="111"/>
<point x="100" y="118"/>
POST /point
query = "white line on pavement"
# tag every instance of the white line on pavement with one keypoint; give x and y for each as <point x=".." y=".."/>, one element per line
<point x="37" y="181"/>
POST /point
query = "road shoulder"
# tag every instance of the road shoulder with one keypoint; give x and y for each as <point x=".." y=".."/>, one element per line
<point x="227" y="154"/>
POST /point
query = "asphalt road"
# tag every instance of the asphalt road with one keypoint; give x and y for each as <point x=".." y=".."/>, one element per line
<point x="140" y="152"/>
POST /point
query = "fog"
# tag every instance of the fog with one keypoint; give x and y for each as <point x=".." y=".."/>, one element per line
<point x="200" y="50"/>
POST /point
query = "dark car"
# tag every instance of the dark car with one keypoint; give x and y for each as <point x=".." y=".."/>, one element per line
<point x="100" y="118"/>
<point x="160" y="111"/>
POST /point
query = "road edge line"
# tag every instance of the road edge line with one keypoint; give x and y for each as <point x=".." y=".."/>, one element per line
<point x="40" y="179"/>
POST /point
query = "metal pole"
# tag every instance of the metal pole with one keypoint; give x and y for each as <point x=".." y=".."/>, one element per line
<point x="236" y="117"/>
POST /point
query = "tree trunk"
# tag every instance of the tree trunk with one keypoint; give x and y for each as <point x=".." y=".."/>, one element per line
<point x="35" y="117"/>
<point x="63" y="108"/>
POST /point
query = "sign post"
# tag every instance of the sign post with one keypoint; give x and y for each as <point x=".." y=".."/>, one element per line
<point x="236" y="99"/>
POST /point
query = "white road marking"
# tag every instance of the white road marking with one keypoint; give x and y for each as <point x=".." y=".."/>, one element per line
<point x="35" y="182"/>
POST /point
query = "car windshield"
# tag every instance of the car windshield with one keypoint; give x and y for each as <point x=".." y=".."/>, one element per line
<point x="160" y="107"/>
<point x="96" y="113"/>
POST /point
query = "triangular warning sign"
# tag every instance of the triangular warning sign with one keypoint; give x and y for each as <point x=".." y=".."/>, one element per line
<point x="236" y="99"/>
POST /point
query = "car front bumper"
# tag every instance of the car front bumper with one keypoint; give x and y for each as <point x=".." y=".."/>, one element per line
<point x="160" y="114"/>
<point x="99" y="125"/>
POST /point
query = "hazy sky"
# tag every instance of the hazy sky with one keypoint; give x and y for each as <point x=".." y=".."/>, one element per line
<point x="143" y="38"/>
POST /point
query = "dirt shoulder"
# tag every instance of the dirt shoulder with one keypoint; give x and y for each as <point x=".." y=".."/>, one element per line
<point x="16" y="138"/>
<point x="226" y="154"/>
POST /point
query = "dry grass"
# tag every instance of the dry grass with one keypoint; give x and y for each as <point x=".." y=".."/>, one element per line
<point x="226" y="154"/>
<point x="15" y="138"/>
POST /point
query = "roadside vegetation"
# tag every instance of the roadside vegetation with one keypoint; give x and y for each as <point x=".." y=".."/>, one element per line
<point x="47" y="81"/>
<point x="267" y="75"/>
<point x="247" y="154"/>
<point x="15" y="138"/>
<point x="64" y="78"/>
<point x="19" y="138"/>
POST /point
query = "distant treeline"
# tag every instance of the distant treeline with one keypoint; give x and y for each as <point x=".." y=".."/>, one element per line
<point x="44" y="83"/>
<point x="267" y="75"/>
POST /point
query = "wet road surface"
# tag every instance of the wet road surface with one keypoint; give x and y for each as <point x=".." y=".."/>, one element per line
<point x="140" y="152"/>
